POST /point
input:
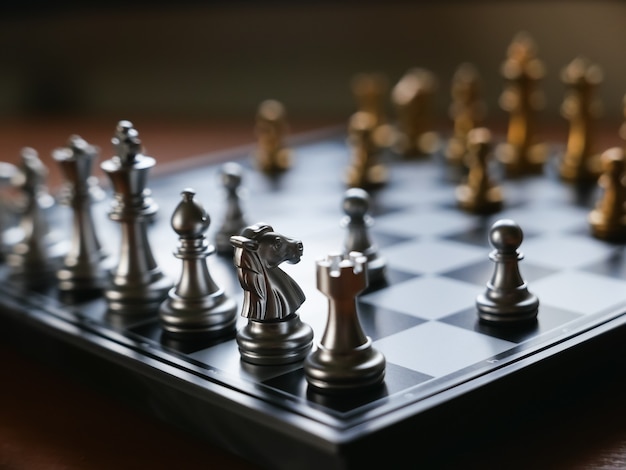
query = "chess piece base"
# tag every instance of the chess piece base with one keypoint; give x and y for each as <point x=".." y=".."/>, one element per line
<point x="493" y="311"/>
<point x="275" y="342"/>
<point x="332" y="372"/>
<point x="138" y="299"/>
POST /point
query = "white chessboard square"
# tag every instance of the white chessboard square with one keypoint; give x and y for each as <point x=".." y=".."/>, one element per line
<point x="565" y="252"/>
<point x="421" y="348"/>
<point x="580" y="292"/>
<point x="428" y="297"/>
<point x="432" y="256"/>
<point x="548" y="219"/>
<point x="429" y="222"/>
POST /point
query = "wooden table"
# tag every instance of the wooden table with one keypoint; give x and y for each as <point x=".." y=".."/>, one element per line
<point x="49" y="420"/>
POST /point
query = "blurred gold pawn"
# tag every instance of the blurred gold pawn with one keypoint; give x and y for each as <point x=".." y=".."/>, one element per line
<point x="608" y="220"/>
<point x="370" y="91"/>
<point x="467" y="111"/>
<point x="272" y="156"/>
<point x="479" y="194"/>
<point x="580" y="164"/>
<point x="364" y="171"/>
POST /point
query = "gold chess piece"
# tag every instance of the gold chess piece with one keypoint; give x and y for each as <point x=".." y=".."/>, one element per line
<point x="479" y="194"/>
<point x="608" y="220"/>
<point x="467" y="110"/>
<point x="580" y="163"/>
<point x="272" y="155"/>
<point x="370" y="91"/>
<point x="522" y="99"/>
<point x="365" y="171"/>
<point x="413" y="97"/>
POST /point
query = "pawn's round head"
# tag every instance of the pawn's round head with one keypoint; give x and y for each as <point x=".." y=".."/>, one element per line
<point x="231" y="175"/>
<point x="189" y="219"/>
<point x="505" y="235"/>
<point x="356" y="202"/>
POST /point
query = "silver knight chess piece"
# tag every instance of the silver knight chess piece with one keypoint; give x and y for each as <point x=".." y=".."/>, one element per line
<point x="274" y="333"/>
<point x="196" y="305"/>
<point x="84" y="268"/>
<point x="137" y="285"/>
<point x="344" y="359"/>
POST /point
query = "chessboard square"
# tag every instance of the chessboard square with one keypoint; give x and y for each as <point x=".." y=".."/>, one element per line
<point x="378" y="322"/>
<point x="427" y="297"/>
<point x="580" y="292"/>
<point x="565" y="252"/>
<point x="434" y="222"/>
<point x="548" y="318"/>
<point x="539" y="218"/>
<point x="438" y="349"/>
<point x="432" y="256"/>
<point x="480" y="273"/>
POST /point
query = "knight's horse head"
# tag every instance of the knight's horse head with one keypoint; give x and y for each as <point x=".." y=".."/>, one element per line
<point x="271" y="247"/>
<point x="269" y="292"/>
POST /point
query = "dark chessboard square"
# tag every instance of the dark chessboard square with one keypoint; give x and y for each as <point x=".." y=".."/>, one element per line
<point x="480" y="273"/>
<point x="397" y="379"/>
<point x="378" y="322"/>
<point x="549" y="318"/>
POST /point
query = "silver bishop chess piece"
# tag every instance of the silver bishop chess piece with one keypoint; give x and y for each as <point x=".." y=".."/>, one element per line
<point x="231" y="175"/>
<point x="507" y="299"/>
<point x="357" y="222"/>
<point x="196" y="306"/>
<point x="84" y="269"/>
<point x="344" y="360"/>
<point x="274" y="334"/>
<point x="137" y="286"/>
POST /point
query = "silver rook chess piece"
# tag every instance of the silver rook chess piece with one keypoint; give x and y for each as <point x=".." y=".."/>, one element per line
<point x="344" y="359"/>
<point x="196" y="305"/>
<point x="137" y="285"/>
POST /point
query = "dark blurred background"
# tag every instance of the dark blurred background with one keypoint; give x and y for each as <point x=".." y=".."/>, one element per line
<point x="218" y="59"/>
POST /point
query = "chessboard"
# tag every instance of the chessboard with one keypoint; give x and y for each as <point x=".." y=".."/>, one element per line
<point x="447" y="373"/>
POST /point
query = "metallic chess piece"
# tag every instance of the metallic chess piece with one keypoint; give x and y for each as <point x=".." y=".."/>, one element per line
<point x="196" y="305"/>
<point x="522" y="99"/>
<point x="231" y="175"/>
<point x="274" y="333"/>
<point x="83" y="268"/>
<point x="608" y="219"/>
<point x="9" y="234"/>
<point x="580" y="163"/>
<point x="467" y="111"/>
<point x="357" y="222"/>
<point x="370" y="91"/>
<point x="506" y="299"/>
<point x="413" y="99"/>
<point x="33" y="257"/>
<point x="344" y="359"/>
<point x="365" y="171"/>
<point x="272" y="156"/>
<point x="479" y="194"/>
<point x="137" y="285"/>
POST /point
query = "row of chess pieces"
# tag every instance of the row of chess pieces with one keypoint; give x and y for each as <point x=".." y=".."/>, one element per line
<point x="471" y="151"/>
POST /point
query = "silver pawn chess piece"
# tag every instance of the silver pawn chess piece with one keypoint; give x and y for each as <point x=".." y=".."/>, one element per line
<point x="344" y="359"/>
<point x="274" y="334"/>
<point x="507" y="298"/>
<point x="231" y="175"/>
<point x="357" y="221"/>
<point x="33" y="256"/>
<point x="137" y="285"/>
<point x="196" y="305"/>
<point x="83" y="269"/>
